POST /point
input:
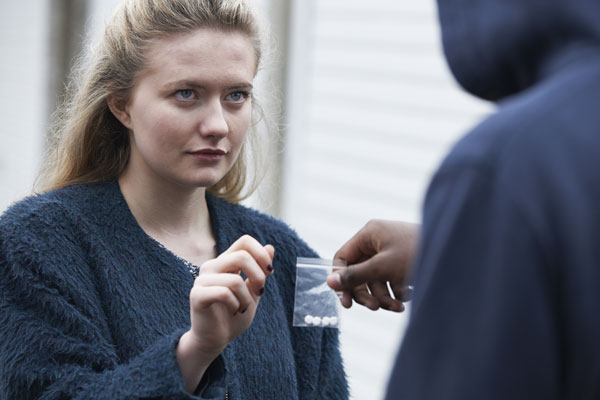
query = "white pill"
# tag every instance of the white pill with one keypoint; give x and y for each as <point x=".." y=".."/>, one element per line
<point x="309" y="319"/>
<point x="333" y="320"/>
<point x="326" y="321"/>
<point x="317" y="321"/>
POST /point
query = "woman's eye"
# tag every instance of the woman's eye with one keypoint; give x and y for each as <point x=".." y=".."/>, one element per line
<point x="185" y="94"/>
<point x="238" y="96"/>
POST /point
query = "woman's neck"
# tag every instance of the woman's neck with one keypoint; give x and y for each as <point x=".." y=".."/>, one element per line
<point x="175" y="216"/>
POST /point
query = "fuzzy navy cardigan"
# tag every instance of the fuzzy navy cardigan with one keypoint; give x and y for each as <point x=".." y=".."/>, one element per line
<point x="91" y="307"/>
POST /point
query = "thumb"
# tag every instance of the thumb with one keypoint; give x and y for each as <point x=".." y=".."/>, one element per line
<point x="354" y="275"/>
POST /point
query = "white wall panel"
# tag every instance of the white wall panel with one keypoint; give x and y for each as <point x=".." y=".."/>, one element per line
<point x="23" y="74"/>
<point x="372" y="109"/>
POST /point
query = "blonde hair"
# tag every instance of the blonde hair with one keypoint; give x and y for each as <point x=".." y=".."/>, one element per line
<point x="87" y="142"/>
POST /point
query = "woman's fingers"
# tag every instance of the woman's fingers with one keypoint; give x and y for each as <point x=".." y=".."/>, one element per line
<point x="225" y="295"/>
<point x="246" y="255"/>
<point x="263" y="255"/>
<point x="228" y="289"/>
<point x="271" y="252"/>
<point x="234" y="263"/>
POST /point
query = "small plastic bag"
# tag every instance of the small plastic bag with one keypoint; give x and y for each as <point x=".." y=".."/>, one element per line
<point x="315" y="303"/>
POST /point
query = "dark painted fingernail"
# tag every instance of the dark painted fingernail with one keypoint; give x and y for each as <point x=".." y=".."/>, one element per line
<point x="244" y="310"/>
<point x="262" y="291"/>
<point x="270" y="268"/>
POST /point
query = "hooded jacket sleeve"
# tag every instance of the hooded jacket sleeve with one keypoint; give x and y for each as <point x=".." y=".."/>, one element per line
<point x="482" y="323"/>
<point x="55" y="342"/>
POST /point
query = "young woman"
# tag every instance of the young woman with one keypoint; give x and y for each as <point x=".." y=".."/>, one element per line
<point x="135" y="274"/>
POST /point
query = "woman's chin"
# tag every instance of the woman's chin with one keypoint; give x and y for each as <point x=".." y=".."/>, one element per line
<point x="205" y="182"/>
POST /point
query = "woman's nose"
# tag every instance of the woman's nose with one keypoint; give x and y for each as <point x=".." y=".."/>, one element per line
<point x="213" y="122"/>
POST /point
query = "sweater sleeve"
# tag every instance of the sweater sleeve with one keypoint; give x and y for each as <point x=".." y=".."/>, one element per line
<point x="482" y="323"/>
<point x="332" y="378"/>
<point x="55" y="342"/>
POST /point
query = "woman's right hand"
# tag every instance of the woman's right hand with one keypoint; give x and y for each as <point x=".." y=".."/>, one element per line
<point x="223" y="304"/>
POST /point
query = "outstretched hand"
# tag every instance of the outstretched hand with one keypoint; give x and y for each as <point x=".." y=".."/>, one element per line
<point x="223" y="304"/>
<point x="378" y="255"/>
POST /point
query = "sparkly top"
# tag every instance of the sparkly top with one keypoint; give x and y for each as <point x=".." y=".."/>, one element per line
<point x="194" y="269"/>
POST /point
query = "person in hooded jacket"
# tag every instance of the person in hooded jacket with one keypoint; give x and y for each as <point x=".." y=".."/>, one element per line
<point x="505" y="302"/>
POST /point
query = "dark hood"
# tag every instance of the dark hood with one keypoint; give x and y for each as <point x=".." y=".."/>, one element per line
<point x="496" y="48"/>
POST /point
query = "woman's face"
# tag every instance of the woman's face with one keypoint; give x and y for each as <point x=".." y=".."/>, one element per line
<point x="190" y="108"/>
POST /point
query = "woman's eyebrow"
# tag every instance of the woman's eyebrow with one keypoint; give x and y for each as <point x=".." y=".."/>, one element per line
<point x="241" y="86"/>
<point x="192" y="84"/>
<point x="182" y="83"/>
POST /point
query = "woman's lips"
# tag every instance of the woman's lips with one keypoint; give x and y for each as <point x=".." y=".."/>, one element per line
<point x="208" y="155"/>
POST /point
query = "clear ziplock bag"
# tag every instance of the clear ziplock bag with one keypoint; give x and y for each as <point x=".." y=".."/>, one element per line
<point x="315" y="303"/>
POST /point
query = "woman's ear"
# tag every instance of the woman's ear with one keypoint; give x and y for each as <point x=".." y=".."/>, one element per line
<point x="119" y="109"/>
